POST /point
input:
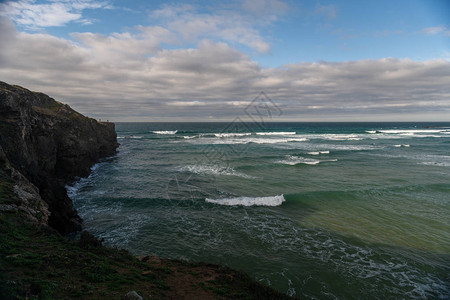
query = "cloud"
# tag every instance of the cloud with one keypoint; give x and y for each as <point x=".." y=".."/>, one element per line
<point x="228" y="25"/>
<point x="53" y="13"/>
<point x="436" y="30"/>
<point x="103" y="77"/>
<point x="330" y="11"/>
<point x="125" y="49"/>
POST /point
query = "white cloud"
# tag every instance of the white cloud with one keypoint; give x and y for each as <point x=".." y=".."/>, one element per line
<point x="232" y="26"/>
<point x="52" y="13"/>
<point x="124" y="49"/>
<point x="102" y="76"/>
<point x="436" y="30"/>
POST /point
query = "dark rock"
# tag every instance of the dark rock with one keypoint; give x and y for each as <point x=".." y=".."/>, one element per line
<point x="50" y="144"/>
<point x="132" y="296"/>
<point x="88" y="240"/>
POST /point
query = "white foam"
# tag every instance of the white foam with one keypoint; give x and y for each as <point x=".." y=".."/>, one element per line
<point x="276" y="141"/>
<point x="72" y="190"/>
<point x="165" y="131"/>
<point x="428" y="135"/>
<point x="371" y="131"/>
<point x="249" y="201"/>
<point x="319" y="152"/>
<point x="277" y="133"/>
<point x="436" y="163"/>
<point x="212" y="170"/>
<point x="246" y="140"/>
<point x="334" y="136"/>
<point x="401" y="146"/>
<point x="226" y="135"/>
<point x="294" y="160"/>
<point x="189" y="136"/>
<point x="411" y="131"/>
<point x="130" y="137"/>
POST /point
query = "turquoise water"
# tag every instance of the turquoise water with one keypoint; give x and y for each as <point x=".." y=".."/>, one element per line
<point x="316" y="210"/>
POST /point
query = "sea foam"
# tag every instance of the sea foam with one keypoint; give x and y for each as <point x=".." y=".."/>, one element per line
<point x="246" y="140"/>
<point x="411" y="131"/>
<point x="277" y="133"/>
<point x="249" y="201"/>
<point x="226" y="135"/>
<point x="165" y="131"/>
<point x="212" y="170"/>
<point x="130" y="137"/>
<point x="295" y="160"/>
<point x="319" y="152"/>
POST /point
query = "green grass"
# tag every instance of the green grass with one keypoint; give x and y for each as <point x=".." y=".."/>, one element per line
<point x="36" y="264"/>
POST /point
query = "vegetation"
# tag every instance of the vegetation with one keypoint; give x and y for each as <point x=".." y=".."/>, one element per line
<point x="37" y="263"/>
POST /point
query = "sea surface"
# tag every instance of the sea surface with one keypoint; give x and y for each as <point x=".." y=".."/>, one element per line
<point x="315" y="210"/>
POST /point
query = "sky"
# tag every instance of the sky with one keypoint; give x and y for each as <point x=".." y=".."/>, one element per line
<point x="210" y="60"/>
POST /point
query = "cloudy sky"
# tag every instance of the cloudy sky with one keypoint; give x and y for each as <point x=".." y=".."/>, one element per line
<point x="133" y="60"/>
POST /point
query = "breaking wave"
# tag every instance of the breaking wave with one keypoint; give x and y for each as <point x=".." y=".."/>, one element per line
<point x="249" y="201"/>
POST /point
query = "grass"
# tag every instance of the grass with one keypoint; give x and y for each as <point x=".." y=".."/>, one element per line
<point x="36" y="263"/>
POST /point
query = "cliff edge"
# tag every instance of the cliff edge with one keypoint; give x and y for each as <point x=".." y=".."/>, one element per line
<point x="44" y="145"/>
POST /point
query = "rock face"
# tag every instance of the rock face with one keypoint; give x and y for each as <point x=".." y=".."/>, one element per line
<point x="18" y="194"/>
<point x="50" y="144"/>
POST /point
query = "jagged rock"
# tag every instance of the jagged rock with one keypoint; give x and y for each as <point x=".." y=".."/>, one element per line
<point x="25" y="195"/>
<point x="132" y="296"/>
<point x="49" y="144"/>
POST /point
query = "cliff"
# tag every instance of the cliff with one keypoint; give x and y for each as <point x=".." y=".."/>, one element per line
<point x="44" y="145"/>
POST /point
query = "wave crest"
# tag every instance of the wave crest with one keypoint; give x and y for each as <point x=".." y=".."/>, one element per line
<point x="249" y="201"/>
<point x="277" y="133"/>
<point x="165" y="131"/>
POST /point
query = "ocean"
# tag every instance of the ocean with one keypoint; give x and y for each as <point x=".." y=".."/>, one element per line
<point x="315" y="210"/>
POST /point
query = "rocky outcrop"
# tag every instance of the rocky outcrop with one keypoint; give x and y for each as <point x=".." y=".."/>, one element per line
<point x="50" y="145"/>
<point x="18" y="194"/>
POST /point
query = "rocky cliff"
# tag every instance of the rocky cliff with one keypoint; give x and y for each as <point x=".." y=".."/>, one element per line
<point x="44" y="145"/>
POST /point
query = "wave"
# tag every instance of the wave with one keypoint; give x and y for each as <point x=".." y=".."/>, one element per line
<point x="225" y="135"/>
<point x="334" y="137"/>
<point x="130" y="137"/>
<point x="401" y="145"/>
<point x="277" y="133"/>
<point x="436" y="163"/>
<point x="212" y="170"/>
<point x="165" y="131"/>
<point x="295" y="160"/>
<point x="189" y="137"/>
<point x="319" y="152"/>
<point x="371" y="131"/>
<point x="256" y="140"/>
<point x="249" y="201"/>
<point x="412" y="131"/>
<point x="276" y="141"/>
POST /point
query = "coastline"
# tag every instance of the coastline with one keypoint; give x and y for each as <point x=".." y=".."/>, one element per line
<point x="45" y="145"/>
